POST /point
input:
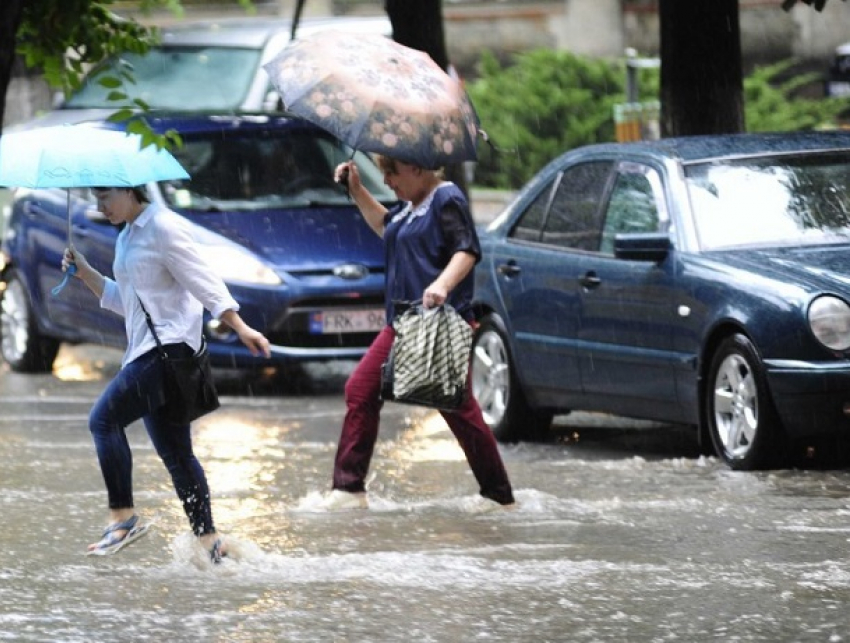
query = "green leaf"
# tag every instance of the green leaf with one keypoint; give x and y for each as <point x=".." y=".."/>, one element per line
<point x="121" y="115"/>
<point x="110" y="82"/>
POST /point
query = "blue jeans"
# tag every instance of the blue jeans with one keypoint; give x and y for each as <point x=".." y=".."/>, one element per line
<point x="138" y="392"/>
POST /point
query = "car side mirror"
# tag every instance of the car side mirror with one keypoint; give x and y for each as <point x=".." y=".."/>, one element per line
<point x="272" y="102"/>
<point x="642" y="246"/>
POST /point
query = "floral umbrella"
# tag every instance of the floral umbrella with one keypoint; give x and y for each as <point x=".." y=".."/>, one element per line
<point x="377" y="96"/>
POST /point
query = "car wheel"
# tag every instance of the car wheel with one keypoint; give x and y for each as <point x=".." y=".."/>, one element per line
<point x="495" y="386"/>
<point x="740" y="415"/>
<point x="21" y="344"/>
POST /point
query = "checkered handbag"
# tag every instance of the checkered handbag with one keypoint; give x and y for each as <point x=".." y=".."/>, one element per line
<point x="429" y="360"/>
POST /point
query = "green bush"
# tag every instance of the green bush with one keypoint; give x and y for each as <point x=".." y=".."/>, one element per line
<point x="545" y="103"/>
<point x="548" y="102"/>
<point x="772" y="105"/>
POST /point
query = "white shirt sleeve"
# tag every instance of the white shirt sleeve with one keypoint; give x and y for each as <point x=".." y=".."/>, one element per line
<point x="189" y="268"/>
<point x="110" y="299"/>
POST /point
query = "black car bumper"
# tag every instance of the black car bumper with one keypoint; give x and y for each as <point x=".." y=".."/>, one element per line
<point x="812" y="398"/>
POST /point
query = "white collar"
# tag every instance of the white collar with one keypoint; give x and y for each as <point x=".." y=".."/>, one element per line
<point x="420" y="209"/>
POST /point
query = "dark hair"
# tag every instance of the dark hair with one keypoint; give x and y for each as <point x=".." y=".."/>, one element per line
<point x="387" y="164"/>
<point x="138" y="191"/>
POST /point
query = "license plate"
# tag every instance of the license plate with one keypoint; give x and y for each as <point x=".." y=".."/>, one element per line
<point x="324" y="322"/>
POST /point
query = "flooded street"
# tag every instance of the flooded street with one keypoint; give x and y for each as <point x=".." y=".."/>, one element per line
<point x="619" y="533"/>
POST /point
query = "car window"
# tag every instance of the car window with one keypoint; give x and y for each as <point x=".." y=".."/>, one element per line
<point x="799" y="201"/>
<point x="631" y="208"/>
<point x="182" y="78"/>
<point x="256" y="170"/>
<point x="574" y="219"/>
<point x="530" y="225"/>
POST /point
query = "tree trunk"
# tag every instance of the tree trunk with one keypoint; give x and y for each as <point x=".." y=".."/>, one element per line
<point x="10" y="18"/>
<point x="701" y="78"/>
<point x="419" y="25"/>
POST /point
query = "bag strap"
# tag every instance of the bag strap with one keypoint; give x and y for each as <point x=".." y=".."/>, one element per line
<point x="153" y="330"/>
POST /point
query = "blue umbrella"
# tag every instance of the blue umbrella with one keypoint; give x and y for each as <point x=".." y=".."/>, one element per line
<point x="76" y="156"/>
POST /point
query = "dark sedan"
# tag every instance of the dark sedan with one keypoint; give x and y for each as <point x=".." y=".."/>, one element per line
<point x="701" y="281"/>
<point x="289" y="242"/>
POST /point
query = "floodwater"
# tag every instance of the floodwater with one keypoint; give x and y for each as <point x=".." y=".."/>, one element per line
<point x="620" y="533"/>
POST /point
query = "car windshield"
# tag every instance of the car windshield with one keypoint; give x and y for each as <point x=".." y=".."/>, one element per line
<point x="184" y="78"/>
<point x="258" y="170"/>
<point x="771" y="201"/>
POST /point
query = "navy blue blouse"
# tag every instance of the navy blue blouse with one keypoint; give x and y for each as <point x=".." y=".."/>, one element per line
<point x="419" y="243"/>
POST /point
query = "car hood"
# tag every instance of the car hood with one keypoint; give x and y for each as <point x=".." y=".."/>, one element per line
<point x="825" y="267"/>
<point x="299" y="240"/>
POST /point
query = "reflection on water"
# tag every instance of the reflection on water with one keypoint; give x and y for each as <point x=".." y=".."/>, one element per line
<point x="74" y="364"/>
<point x="611" y="540"/>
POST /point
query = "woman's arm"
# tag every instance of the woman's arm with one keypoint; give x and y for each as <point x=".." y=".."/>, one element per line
<point x="459" y="266"/>
<point x="371" y="209"/>
<point x="88" y="275"/>
<point x="253" y="339"/>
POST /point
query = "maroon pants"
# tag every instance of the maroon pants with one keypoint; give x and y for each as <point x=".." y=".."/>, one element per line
<point x="360" y="430"/>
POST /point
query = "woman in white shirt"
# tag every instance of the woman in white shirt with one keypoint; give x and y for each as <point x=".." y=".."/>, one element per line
<point x="157" y="262"/>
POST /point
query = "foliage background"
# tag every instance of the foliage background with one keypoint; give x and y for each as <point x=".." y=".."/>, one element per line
<point x="546" y="102"/>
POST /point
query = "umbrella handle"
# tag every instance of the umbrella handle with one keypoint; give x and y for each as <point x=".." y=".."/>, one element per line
<point x="70" y="271"/>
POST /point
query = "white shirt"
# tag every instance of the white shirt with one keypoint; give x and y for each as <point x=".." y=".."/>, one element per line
<point x="157" y="260"/>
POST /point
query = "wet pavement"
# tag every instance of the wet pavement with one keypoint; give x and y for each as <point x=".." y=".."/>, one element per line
<point x="621" y="532"/>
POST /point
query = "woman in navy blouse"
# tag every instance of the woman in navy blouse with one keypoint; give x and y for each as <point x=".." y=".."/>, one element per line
<point x="431" y="249"/>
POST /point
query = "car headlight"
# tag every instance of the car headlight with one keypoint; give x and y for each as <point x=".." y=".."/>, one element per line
<point x="829" y="319"/>
<point x="237" y="266"/>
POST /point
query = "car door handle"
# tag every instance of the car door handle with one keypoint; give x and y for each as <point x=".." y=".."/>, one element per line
<point x="509" y="269"/>
<point x="590" y="280"/>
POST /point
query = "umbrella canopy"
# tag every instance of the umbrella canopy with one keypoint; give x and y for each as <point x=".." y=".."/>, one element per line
<point x="377" y="96"/>
<point x="71" y="156"/>
<point x="78" y="156"/>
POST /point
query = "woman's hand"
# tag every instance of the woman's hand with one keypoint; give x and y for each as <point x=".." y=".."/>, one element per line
<point x="348" y="175"/>
<point x="82" y="270"/>
<point x="255" y="341"/>
<point x="434" y="295"/>
<point x="73" y="258"/>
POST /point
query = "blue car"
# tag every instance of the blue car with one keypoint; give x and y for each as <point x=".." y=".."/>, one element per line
<point x="702" y="281"/>
<point x="288" y="241"/>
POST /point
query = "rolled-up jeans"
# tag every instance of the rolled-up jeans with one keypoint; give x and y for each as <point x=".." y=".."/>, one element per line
<point x="138" y="392"/>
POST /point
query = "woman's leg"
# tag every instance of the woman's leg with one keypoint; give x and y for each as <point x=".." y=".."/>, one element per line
<point x="477" y="441"/>
<point x="173" y="444"/>
<point x="363" y="407"/>
<point x="125" y="400"/>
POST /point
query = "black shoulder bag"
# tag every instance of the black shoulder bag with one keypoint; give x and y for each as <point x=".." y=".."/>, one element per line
<point x="189" y="387"/>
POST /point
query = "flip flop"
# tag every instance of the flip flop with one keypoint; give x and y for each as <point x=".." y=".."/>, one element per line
<point x="112" y="543"/>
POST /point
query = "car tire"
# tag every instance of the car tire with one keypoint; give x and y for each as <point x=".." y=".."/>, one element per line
<point x="739" y="411"/>
<point x="496" y="387"/>
<point x="21" y="344"/>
